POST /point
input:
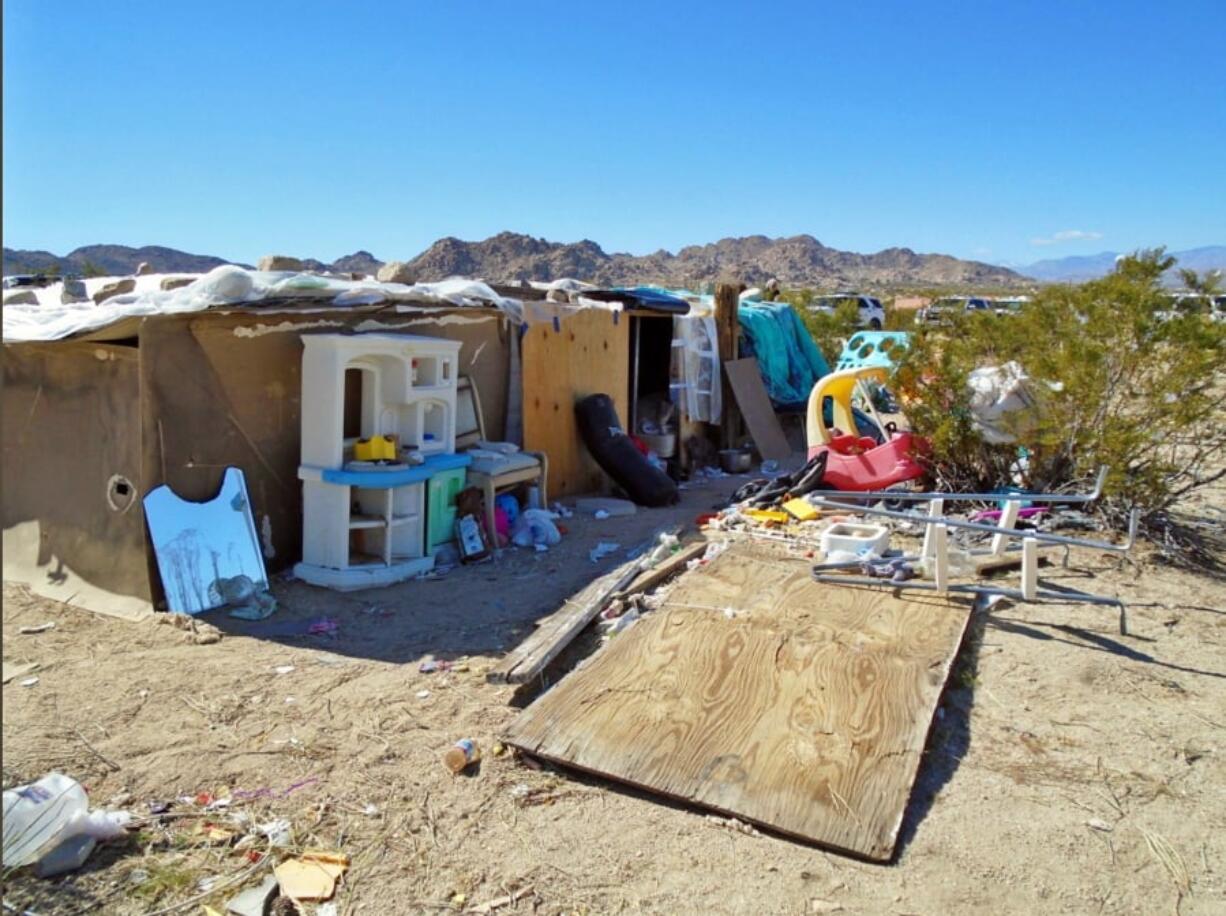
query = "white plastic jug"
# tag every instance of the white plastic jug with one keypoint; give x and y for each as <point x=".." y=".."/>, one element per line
<point x="37" y="817"/>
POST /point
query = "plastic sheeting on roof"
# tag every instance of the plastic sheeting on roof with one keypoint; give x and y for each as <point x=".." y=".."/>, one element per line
<point x="230" y="285"/>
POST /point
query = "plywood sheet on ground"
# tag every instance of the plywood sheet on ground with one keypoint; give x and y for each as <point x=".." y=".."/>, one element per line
<point x="806" y="712"/>
<point x="588" y="353"/>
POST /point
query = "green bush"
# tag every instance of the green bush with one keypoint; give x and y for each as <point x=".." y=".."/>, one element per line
<point x="1121" y="380"/>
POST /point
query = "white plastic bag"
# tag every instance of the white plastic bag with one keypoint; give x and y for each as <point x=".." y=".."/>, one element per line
<point x="996" y="391"/>
<point x="535" y="527"/>
<point x="41" y="816"/>
<point x="36" y="817"/>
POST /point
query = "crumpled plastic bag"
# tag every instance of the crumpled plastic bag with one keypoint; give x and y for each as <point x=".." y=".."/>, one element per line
<point x="535" y="528"/>
<point x="997" y="391"/>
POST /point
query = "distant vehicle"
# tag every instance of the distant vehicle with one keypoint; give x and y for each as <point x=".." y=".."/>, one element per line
<point x="942" y="309"/>
<point x="871" y="311"/>
<point x="1010" y="305"/>
<point x="1192" y="304"/>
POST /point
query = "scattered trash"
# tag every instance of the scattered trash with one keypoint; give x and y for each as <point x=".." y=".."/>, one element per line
<point x="498" y="749"/>
<point x="11" y="670"/>
<point x="506" y="900"/>
<point x="246" y="599"/>
<point x="601" y="514"/>
<point x="312" y="875"/>
<point x="731" y="823"/>
<point x="371" y="810"/>
<point x="45" y="821"/>
<point x="801" y="510"/>
<point x="254" y="900"/>
<point x="69" y="855"/>
<point x="278" y="832"/>
<point x="612" y="508"/>
<point x="896" y="569"/>
<point x="561" y="511"/>
<point x="41" y="628"/>
<point x="624" y="622"/>
<point x="535" y="528"/>
<point x="283" y="669"/>
<point x="602" y="550"/>
<point x="431" y="665"/>
<point x="30" y="681"/>
<point x="855" y="538"/>
<point x="197" y="631"/>
<point x="824" y="906"/>
<point x="770" y="469"/>
<point x="423" y="694"/>
<point x="1096" y="824"/>
<point x="461" y="755"/>
<point x="249" y="794"/>
<point x="325" y="626"/>
<point x="213" y="833"/>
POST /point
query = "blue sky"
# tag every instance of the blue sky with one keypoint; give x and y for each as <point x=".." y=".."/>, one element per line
<point x="1006" y="132"/>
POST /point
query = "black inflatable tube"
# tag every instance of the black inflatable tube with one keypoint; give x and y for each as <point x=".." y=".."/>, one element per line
<point x="618" y="457"/>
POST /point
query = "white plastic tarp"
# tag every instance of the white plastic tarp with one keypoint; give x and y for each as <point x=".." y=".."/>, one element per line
<point x="225" y="286"/>
<point x="695" y="378"/>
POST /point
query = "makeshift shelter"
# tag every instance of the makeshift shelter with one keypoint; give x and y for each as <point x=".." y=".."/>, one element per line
<point x="106" y="402"/>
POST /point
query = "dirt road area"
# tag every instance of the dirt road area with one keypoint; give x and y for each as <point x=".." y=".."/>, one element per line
<point x="1071" y="769"/>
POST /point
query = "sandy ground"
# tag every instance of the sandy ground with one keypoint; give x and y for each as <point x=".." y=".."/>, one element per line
<point x="1071" y="769"/>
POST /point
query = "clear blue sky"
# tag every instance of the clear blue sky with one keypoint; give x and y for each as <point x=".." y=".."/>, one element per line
<point x="979" y="129"/>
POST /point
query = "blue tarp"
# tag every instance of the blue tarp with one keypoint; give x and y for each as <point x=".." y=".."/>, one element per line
<point x="788" y="358"/>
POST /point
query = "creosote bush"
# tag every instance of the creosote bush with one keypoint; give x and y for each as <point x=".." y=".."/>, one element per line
<point x="1120" y="377"/>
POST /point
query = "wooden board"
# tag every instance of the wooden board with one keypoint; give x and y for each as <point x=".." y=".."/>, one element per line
<point x="590" y="354"/>
<point x="560" y="628"/>
<point x="755" y="405"/>
<point x="806" y="712"/>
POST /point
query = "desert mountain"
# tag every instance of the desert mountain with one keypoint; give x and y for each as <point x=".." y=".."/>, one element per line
<point x="112" y="260"/>
<point x="512" y="257"/>
<point x="797" y="261"/>
<point x="1089" y="267"/>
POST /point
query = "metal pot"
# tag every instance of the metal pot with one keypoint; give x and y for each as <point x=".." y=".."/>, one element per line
<point x="735" y="460"/>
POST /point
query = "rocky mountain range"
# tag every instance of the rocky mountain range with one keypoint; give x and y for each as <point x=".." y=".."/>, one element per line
<point x="1088" y="267"/>
<point x="797" y="261"/>
<point x="108" y="260"/>
<point x="513" y="257"/>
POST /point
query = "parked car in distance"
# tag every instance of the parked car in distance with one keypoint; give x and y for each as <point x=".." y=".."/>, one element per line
<point x="943" y="308"/>
<point x="871" y="311"/>
<point x="1193" y="304"/>
<point x="1009" y="305"/>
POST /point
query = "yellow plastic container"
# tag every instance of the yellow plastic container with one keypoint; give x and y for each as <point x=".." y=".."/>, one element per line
<point x="376" y="448"/>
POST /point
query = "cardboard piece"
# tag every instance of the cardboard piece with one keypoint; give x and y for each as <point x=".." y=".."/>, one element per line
<point x="311" y="876"/>
<point x="756" y="408"/>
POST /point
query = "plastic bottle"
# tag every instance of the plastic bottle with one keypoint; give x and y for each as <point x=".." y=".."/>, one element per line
<point x="462" y="755"/>
<point x="69" y="855"/>
<point x="37" y="816"/>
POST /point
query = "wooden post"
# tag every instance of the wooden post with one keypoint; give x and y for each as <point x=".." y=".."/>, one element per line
<point x="1008" y="519"/>
<point x="728" y="328"/>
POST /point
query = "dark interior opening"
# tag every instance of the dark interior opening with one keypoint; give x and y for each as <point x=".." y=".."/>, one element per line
<point x="353" y="404"/>
<point x="651" y="346"/>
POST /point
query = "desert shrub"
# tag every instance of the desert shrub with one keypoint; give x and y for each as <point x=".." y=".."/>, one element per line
<point x="1119" y="379"/>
